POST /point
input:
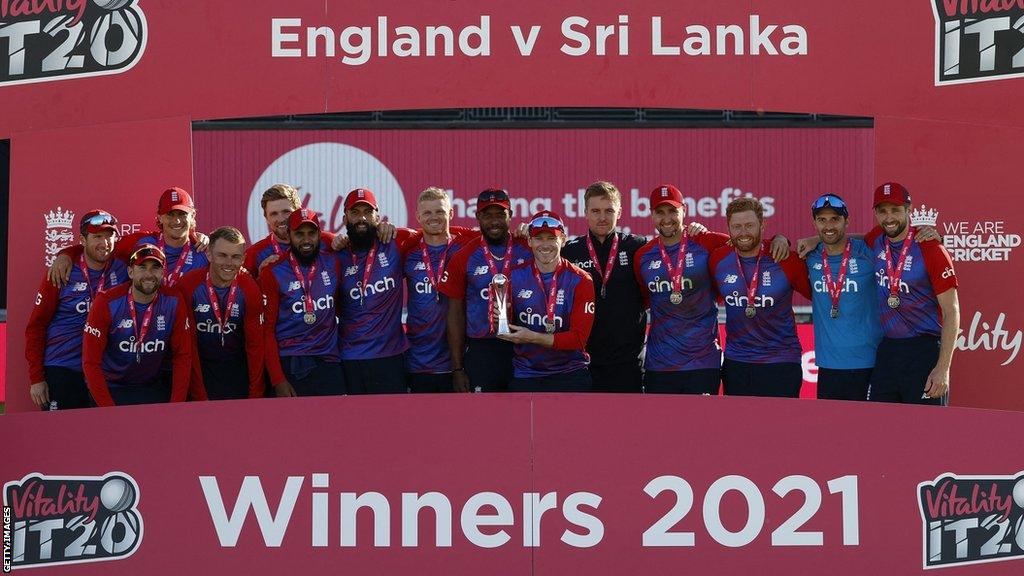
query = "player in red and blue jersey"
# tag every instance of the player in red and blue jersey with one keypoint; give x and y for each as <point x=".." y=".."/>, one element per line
<point x="53" y="336"/>
<point x="480" y="361"/>
<point x="132" y="331"/>
<point x="683" y="354"/>
<point x="277" y="202"/>
<point x="373" y="342"/>
<point x="762" y="352"/>
<point x="228" y="310"/>
<point x="920" y="310"/>
<point x="551" y="312"/>
<point x="425" y="257"/>
<point x="301" y="331"/>
<point x="176" y="236"/>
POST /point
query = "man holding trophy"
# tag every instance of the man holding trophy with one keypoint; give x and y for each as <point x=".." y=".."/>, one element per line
<point x="551" y="302"/>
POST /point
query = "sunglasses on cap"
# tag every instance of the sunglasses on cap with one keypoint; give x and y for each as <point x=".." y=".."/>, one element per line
<point x="830" y="201"/>
<point x="147" y="253"/>
<point x="99" y="218"/>
<point x="542" y="222"/>
<point x="493" y="196"/>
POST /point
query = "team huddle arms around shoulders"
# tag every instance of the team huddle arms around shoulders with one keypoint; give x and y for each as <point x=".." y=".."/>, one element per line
<point x="171" y="314"/>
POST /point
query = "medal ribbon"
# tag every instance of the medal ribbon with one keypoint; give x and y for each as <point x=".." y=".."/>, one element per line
<point x="172" y="278"/>
<point x="613" y="255"/>
<point x="552" y="292"/>
<point x="215" y="303"/>
<point x="85" y="272"/>
<point x="367" y="270"/>
<point x="896" y="274"/>
<point x="836" y="289"/>
<point x="275" y="244"/>
<point x="307" y="283"/>
<point x="505" y="267"/>
<point x="676" y="274"/>
<point x="752" y="285"/>
<point x="140" y="331"/>
<point x="434" y="280"/>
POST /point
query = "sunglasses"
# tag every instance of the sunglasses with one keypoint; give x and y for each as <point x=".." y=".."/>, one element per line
<point x="494" y="196"/>
<point x="546" y="222"/>
<point x="830" y="201"/>
<point x="146" y="252"/>
<point x="97" y="219"/>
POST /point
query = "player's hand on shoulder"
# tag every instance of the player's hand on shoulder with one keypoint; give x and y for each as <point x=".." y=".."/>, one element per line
<point x="780" y="248"/>
<point x="805" y="245"/>
<point x="386" y="231"/>
<point x="60" y="270"/>
<point x="696" y="228"/>
<point x="927" y="233"/>
<point x="268" y="261"/>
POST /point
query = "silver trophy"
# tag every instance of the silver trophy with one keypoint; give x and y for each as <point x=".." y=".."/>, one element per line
<point x="499" y="291"/>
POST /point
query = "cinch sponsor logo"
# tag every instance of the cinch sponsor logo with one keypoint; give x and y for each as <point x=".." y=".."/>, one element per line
<point x="55" y="40"/>
<point x="210" y="327"/>
<point x="58" y="520"/>
<point x="848" y="286"/>
<point x="424" y="287"/>
<point x="322" y="303"/>
<point x="83" y="306"/>
<point x="372" y="288"/>
<point x="972" y="519"/>
<point x="883" y="281"/>
<point x="760" y="301"/>
<point x="92" y="331"/>
<point x="660" y="286"/>
<point x="529" y="318"/>
<point x="144" y="347"/>
<point x="948" y="273"/>
<point x="978" y="40"/>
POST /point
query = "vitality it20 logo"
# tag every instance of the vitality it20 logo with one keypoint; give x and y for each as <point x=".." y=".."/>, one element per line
<point x="51" y="520"/>
<point x="978" y="40"/>
<point x="44" y="40"/>
<point x="972" y="519"/>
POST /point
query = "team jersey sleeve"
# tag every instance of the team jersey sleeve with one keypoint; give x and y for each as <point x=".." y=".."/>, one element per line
<point x="453" y="281"/>
<point x="645" y="293"/>
<point x="254" y="337"/>
<point x="94" y="342"/>
<point x="711" y="241"/>
<point x="939" y="266"/>
<point x="249" y="263"/>
<point x="796" y="272"/>
<point x="35" y="332"/>
<point x="271" y="302"/>
<point x="581" y="319"/>
<point x="462" y="232"/>
<point x="873" y="235"/>
<point x="183" y="343"/>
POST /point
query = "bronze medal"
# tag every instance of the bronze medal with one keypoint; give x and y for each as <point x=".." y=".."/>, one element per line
<point x="750" y="311"/>
<point x="893" y="302"/>
<point x="675" y="297"/>
<point x="309" y="318"/>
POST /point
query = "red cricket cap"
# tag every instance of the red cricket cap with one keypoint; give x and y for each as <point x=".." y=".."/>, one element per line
<point x="175" y="199"/>
<point x="893" y="193"/>
<point x="303" y="216"/>
<point x="363" y="195"/>
<point x="493" y="197"/>
<point x="147" y="252"/>
<point x="666" y="194"/>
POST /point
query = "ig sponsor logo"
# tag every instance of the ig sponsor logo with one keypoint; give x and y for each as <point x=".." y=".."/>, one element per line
<point x="972" y="519"/>
<point x="52" y="520"/>
<point x="978" y="41"/>
<point x="56" y="40"/>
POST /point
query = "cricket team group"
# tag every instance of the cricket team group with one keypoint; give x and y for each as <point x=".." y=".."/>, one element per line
<point x="172" y="314"/>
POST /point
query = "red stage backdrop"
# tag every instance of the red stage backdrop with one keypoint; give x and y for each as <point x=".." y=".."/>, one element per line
<point x="517" y="484"/>
<point x="98" y="103"/>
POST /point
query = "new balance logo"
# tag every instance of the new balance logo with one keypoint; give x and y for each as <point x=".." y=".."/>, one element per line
<point x="351" y="270"/>
<point x="126" y="323"/>
<point x="655" y="265"/>
<point x="731" y="278"/>
<point x="294" y="285"/>
<point x="524" y="294"/>
<point x="481" y="271"/>
<point x="80" y="287"/>
<point x="202" y="308"/>
<point x="420" y="266"/>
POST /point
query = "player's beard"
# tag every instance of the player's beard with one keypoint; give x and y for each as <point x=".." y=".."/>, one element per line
<point x="503" y="240"/>
<point x="306" y="260"/>
<point x="361" y="240"/>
